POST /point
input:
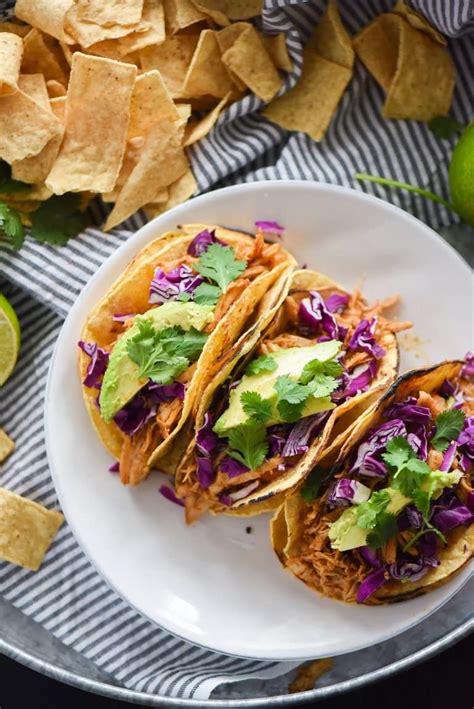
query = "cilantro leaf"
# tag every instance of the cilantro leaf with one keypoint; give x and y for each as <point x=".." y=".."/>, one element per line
<point x="292" y="397"/>
<point x="445" y="126"/>
<point x="248" y="444"/>
<point x="265" y="363"/>
<point x="311" y="485"/>
<point x="372" y="515"/>
<point x="184" y="297"/>
<point x="398" y="453"/>
<point x="207" y="294"/>
<point x="58" y="219"/>
<point x="322" y="385"/>
<point x="254" y="406"/>
<point x="165" y="354"/>
<point x="410" y="478"/>
<point x="218" y="263"/>
<point x="331" y="368"/>
<point x="11" y="226"/>
<point x="448" y="427"/>
<point x="385" y="528"/>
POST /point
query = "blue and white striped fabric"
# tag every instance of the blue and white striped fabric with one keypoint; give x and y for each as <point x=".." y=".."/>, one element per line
<point x="67" y="596"/>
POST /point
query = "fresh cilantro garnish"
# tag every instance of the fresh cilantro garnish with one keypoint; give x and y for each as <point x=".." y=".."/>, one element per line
<point x="11" y="226"/>
<point x="58" y="219"/>
<point x="164" y="354"/>
<point x="448" y="427"/>
<point x="248" y="443"/>
<point x="408" y="472"/>
<point x="254" y="406"/>
<point x="184" y="297"/>
<point x="311" y="485"/>
<point x="265" y="363"/>
<point x="372" y="515"/>
<point x="218" y="263"/>
<point x="398" y="452"/>
<point x="321" y="377"/>
<point x="291" y="398"/>
<point x="207" y="294"/>
<point x="445" y="126"/>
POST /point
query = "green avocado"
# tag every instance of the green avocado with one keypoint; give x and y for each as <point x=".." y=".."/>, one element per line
<point x="121" y="381"/>
<point x="289" y="362"/>
<point x="344" y="532"/>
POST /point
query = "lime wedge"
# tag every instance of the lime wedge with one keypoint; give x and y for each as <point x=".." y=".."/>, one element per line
<point x="461" y="175"/>
<point x="9" y="339"/>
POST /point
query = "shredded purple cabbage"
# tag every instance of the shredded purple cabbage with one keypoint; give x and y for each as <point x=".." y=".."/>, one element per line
<point x="269" y="226"/>
<point x="470" y="501"/>
<point x="346" y="492"/>
<point x="466" y="437"/>
<point x="205" y="471"/>
<point x="365" y="462"/>
<point x="419" y="442"/>
<point x="243" y="491"/>
<point x="134" y="415"/>
<point x="313" y="314"/>
<point x="169" y="286"/>
<point x="359" y="381"/>
<point x="97" y="366"/>
<point x="336" y="302"/>
<point x="363" y="338"/>
<point x="202" y="241"/>
<point x="411" y="568"/>
<point x="409" y="410"/>
<point x="370" y="556"/>
<point x="448" y="458"/>
<point x="409" y="518"/>
<point x="123" y="317"/>
<point x="303" y="433"/>
<point x="448" y="512"/>
<point x="160" y="393"/>
<point x="115" y="467"/>
<point x="232" y="467"/>
<point x="371" y="584"/>
<point x="206" y="440"/>
<point x="467" y="372"/>
<point x="276" y="443"/>
<point x="170" y="495"/>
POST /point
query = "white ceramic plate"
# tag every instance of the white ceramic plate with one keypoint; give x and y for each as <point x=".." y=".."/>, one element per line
<point x="215" y="584"/>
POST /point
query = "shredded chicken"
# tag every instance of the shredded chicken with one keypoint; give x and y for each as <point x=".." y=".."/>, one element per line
<point x="435" y="403"/>
<point x="168" y="415"/>
<point x="136" y="450"/>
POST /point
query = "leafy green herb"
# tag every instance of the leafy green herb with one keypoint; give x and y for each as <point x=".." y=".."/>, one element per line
<point x="218" y="263"/>
<point x="312" y="484"/>
<point x="265" y="363"/>
<point x="249" y="445"/>
<point x="372" y="515"/>
<point x="291" y="398"/>
<point x="58" y="219"/>
<point x="448" y="427"/>
<point x="184" y="297"/>
<point x="316" y="368"/>
<point x="164" y="354"/>
<point x="254" y="406"/>
<point x="11" y="226"/>
<point x="398" y="452"/>
<point x="427" y="527"/>
<point x="445" y="127"/>
<point x="207" y="294"/>
<point x="404" y="186"/>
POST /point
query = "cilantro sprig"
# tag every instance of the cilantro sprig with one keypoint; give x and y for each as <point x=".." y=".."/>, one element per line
<point x="291" y="398"/>
<point x="264" y="363"/>
<point x="312" y="484"/>
<point x="164" y="354"/>
<point x="448" y="427"/>
<point x="372" y="515"/>
<point x="218" y="264"/>
<point x="248" y="444"/>
<point x="11" y="226"/>
<point x="256" y="407"/>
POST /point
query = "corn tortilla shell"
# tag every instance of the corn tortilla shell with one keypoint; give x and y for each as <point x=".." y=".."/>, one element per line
<point x="26" y="530"/>
<point x="172" y="59"/>
<point x="46" y="15"/>
<point x="11" y="50"/>
<point x="97" y="115"/>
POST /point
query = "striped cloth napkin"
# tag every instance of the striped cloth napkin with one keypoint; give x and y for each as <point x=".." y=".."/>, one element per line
<point x="67" y="596"/>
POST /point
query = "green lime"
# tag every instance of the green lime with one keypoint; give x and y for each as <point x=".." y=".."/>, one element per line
<point x="9" y="339"/>
<point x="461" y="176"/>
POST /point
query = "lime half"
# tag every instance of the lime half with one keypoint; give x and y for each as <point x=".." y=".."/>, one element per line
<point x="461" y="176"/>
<point x="9" y="339"/>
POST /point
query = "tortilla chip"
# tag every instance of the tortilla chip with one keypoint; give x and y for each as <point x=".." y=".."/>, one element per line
<point x="34" y="86"/>
<point x="418" y="21"/>
<point x="7" y="446"/>
<point x="184" y="112"/>
<point x="97" y="117"/>
<point x="150" y="101"/>
<point x="11" y="49"/>
<point x="331" y="40"/>
<point x="153" y="18"/>
<point x="308" y="675"/>
<point x="110" y="12"/>
<point x="178" y="192"/>
<point x="41" y="56"/>
<point x="19" y="30"/>
<point x="25" y="126"/>
<point x="36" y="168"/>
<point x="250" y="61"/>
<point x="172" y="59"/>
<point x="207" y="74"/>
<point x="221" y="10"/>
<point x="278" y="51"/>
<point x="46" y="15"/>
<point x="68" y="51"/>
<point x="55" y="89"/>
<point x="26" y="530"/>
<point x="416" y="72"/>
<point x="180" y="14"/>
<point x="88" y="33"/>
<point x="311" y="104"/>
<point x="199" y="129"/>
<point x="162" y="162"/>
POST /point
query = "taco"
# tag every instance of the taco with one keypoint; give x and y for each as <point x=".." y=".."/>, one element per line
<point x="324" y="358"/>
<point x="392" y="516"/>
<point x="163" y="330"/>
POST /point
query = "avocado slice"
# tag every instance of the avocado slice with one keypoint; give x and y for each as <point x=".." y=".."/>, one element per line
<point x="121" y="381"/>
<point x="289" y="362"/>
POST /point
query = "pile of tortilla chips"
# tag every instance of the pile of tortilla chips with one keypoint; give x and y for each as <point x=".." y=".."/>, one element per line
<point x="400" y="49"/>
<point x="104" y="97"/>
<point x="26" y="528"/>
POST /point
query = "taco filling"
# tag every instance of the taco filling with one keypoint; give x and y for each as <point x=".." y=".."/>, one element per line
<point x="322" y="349"/>
<point x="142" y="377"/>
<point x="402" y="501"/>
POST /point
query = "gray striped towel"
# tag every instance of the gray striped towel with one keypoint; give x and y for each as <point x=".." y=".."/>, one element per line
<point x="67" y="596"/>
